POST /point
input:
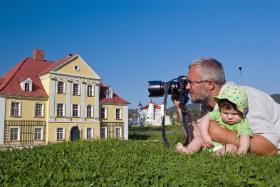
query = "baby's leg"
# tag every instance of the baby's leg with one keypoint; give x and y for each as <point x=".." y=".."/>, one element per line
<point x="194" y="146"/>
<point x="227" y="149"/>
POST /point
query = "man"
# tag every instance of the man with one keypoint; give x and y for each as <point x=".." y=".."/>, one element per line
<point x="206" y="79"/>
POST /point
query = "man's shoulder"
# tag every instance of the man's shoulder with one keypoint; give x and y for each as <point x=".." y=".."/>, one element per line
<point x="255" y="92"/>
<point x="249" y="90"/>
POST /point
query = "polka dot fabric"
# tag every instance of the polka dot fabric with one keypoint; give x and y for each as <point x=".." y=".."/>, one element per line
<point x="236" y="95"/>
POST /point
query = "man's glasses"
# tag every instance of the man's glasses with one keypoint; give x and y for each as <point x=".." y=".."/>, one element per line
<point x="195" y="82"/>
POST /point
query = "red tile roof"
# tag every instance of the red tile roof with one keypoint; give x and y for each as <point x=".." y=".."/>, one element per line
<point x="29" y="67"/>
<point x="153" y="103"/>
<point x="115" y="100"/>
<point x="1" y="80"/>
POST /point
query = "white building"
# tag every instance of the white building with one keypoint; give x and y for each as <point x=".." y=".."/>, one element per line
<point x="152" y="114"/>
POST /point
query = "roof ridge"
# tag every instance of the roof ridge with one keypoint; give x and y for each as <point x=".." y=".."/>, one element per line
<point x="16" y="70"/>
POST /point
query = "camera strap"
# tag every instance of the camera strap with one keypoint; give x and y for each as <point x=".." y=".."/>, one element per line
<point x="187" y="122"/>
<point x="166" y="88"/>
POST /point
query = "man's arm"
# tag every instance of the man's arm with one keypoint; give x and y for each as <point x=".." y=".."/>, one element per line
<point x="176" y="101"/>
<point x="258" y="144"/>
<point x="222" y="135"/>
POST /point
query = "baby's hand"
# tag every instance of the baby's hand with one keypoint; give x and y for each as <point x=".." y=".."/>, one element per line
<point x="207" y="140"/>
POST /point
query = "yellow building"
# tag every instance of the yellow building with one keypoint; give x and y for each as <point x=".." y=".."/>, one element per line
<point x="51" y="101"/>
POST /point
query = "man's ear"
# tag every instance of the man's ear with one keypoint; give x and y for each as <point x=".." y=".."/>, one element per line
<point x="211" y="84"/>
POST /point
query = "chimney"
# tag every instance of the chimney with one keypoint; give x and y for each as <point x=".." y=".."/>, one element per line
<point x="38" y="55"/>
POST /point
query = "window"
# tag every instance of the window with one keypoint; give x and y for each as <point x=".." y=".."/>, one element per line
<point x="76" y="89"/>
<point x="103" y="113"/>
<point x="60" y="110"/>
<point x="77" y="68"/>
<point x="118" y="132"/>
<point x="75" y="110"/>
<point x="26" y="86"/>
<point x="118" y="113"/>
<point x="60" y="87"/>
<point x="90" y="90"/>
<point x="14" y="133"/>
<point x="89" y="111"/>
<point x="60" y="133"/>
<point x="103" y="132"/>
<point x="38" y="133"/>
<point x="39" y="110"/>
<point x="15" y="109"/>
<point x="109" y="93"/>
<point x="89" y="133"/>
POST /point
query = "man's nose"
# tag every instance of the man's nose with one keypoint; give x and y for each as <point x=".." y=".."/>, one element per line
<point x="188" y="86"/>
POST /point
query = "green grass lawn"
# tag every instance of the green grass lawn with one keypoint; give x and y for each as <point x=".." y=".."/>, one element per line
<point x="149" y="133"/>
<point x="144" y="162"/>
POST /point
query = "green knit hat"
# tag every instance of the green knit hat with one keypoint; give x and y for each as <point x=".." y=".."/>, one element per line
<point x="236" y="95"/>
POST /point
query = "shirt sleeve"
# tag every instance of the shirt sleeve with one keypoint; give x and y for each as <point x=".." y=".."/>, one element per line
<point x="244" y="128"/>
<point x="214" y="115"/>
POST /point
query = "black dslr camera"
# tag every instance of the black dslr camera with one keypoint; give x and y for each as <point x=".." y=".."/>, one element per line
<point x="175" y="86"/>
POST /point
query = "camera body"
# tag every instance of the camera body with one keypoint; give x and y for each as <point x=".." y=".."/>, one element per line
<point x="175" y="86"/>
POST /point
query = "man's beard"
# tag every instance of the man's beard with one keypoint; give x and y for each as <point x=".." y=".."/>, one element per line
<point x="203" y="98"/>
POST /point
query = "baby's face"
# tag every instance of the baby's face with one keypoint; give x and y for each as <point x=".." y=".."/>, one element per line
<point x="231" y="116"/>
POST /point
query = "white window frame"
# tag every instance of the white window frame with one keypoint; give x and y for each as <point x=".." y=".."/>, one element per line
<point x="19" y="109"/>
<point x="105" y="131"/>
<point x="91" y="111"/>
<point x="118" y="130"/>
<point x="60" y="135"/>
<point x="41" y="132"/>
<point x="42" y="110"/>
<point x="76" y="89"/>
<point x="26" y="86"/>
<point x="59" y="89"/>
<point x="105" y="113"/>
<point x="90" y="90"/>
<point x="90" y="133"/>
<point x="63" y="110"/>
<point x="76" y="110"/>
<point x="18" y="132"/>
<point x="120" y="113"/>
<point x="24" y="83"/>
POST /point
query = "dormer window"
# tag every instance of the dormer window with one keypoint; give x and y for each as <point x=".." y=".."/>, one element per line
<point x="26" y="85"/>
<point x="109" y="93"/>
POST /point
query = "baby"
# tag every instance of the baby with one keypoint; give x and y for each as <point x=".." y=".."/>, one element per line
<point x="230" y="113"/>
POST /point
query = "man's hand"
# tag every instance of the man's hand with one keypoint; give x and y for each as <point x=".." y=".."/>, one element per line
<point x="227" y="149"/>
<point x="176" y="100"/>
<point x="207" y="140"/>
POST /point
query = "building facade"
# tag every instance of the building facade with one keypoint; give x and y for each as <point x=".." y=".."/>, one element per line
<point x="51" y="101"/>
<point x="152" y="114"/>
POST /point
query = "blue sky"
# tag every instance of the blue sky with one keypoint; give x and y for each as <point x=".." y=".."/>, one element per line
<point x="130" y="42"/>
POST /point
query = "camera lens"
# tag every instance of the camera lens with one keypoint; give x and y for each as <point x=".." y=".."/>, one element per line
<point x="156" y="88"/>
